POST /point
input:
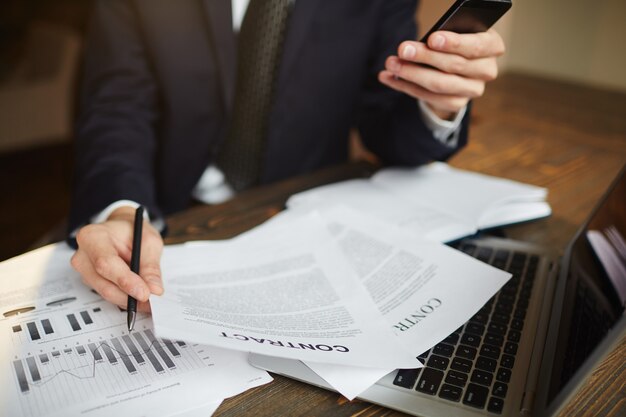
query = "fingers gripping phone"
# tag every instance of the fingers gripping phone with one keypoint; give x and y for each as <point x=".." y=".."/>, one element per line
<point x="470" y="16"/>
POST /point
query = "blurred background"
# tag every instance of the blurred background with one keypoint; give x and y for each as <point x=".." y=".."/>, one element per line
<point x="575" y="42"/>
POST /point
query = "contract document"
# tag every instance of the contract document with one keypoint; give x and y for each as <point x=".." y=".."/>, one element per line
<point x="65" y="351"/>
<point x="425" y="290"/>
<point x="291" y="296"/>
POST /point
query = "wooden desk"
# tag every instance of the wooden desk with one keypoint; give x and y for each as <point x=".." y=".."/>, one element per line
<point x="567" y="138"/>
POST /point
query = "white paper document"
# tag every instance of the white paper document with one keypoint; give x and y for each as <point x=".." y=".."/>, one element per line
<point x="434" y="201"/>
<point x="291" y="296"/>
<point x="65" y="351"/>
<point x="424" y="289"/>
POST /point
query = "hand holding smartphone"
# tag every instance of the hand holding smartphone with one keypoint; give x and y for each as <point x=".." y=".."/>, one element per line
<point x="470" y="16"/>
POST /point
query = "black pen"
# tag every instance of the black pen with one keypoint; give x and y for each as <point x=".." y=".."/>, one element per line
<point x="131" y="307"/>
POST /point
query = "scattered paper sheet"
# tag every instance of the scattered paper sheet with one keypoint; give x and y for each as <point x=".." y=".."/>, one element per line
<point x="366" y="197"/>
<point x="291" y="296"/>
<point x="425" y="290"/>
<point x="434" y="201"/>
<point x="470" y="195"/>
<point x="66" y="351"/>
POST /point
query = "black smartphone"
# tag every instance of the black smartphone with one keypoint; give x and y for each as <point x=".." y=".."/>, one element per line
<point x="470" y="16"/>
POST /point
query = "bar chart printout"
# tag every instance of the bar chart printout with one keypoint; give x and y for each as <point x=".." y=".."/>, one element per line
<point x="64" y="351"/>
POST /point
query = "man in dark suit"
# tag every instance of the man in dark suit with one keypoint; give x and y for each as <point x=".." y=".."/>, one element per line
<point x="161" y="85"/>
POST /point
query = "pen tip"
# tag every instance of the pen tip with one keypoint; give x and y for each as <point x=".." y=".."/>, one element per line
<point x="131" y="320"/>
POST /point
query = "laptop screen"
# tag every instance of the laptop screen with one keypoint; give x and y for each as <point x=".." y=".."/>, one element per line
<point x="595" y="289"/>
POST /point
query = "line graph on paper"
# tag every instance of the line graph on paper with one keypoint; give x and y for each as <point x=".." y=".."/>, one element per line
<point x="72" y="357"/>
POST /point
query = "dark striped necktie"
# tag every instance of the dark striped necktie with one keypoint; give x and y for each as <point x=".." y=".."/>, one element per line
<point x="260" y="43"/>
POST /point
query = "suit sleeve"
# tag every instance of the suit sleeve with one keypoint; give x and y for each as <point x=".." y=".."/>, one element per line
<point x="115" y="141"/>
<point x="390" y="122"/>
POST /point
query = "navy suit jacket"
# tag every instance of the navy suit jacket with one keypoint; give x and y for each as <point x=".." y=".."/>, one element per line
<point x="158" y="86"/>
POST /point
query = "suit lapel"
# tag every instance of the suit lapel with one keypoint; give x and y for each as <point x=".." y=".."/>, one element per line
<point x="219" y="15"/>
<point x="299" y="25"/>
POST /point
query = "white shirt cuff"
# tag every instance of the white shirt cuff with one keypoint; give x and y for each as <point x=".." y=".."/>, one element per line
<point x="445" y="131"/>
<point x="101" y="217"/>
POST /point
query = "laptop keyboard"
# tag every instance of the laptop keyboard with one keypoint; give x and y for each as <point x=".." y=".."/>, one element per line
<point x="473" y="365"/>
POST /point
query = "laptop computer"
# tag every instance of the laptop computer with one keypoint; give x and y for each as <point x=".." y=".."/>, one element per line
<point x="528" y="350"/>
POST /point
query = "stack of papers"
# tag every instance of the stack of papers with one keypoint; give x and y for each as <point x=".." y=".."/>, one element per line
<point x="352" y="297"/>
<point x="435" y="201"/>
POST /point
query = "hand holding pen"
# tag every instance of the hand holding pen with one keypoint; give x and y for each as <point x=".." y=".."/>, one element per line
<point x="104" y="255"/>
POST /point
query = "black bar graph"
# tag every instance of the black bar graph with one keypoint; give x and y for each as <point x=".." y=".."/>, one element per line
<point x="86" y="317"/>
<point x="43" y="358"/>
<point x="47" y="327"/>
<point x="97" y="309"/>
<point x="142" y="343"/>
<point x="171" y="347"/>
<point x="21" y="375"/>
<point x="73" y="322"/>
<point x="56" y="353"/>
<point x="159" y="347"/>
<point x="32" y="329"/>
<point x="80" y="350"/>
<point x="68" y="350"/>
<point x="181" y="343"/>
<point x="109" y="353"/>
<point x="95" y="352"/>
<point x="125" y="359"/>
<point x="133" y="349"/>
<point x="17" y="328"/>
<point x="32" y="367"/>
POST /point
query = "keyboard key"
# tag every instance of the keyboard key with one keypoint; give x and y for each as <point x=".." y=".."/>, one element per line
<point x="456" y="378"/>
<point x="450" y="392"/>
<point x="517" y="324"/>
<point x="452" y="339"/>
<point x="424" y="355"/>
<point x="504" y="308"/>
<point x="468" y="248"/>
<point x="514" y="336"/>
<point x="507" y="361"/>
<point x="482" y="377"/>
<point x="520" y="313"/>
<point x="510" y="348"/>
<point x="499" y="389"/>
<point x="490" y="351"/>
<point x="519" y="259"/>
<point x="466" y="352"/>
<point x="475" y="328"/>
<point x="430" y="380"/>
<point x="443" y="350"/>
<point x="495" y="405"/>
<point x="406" y="378"/>
<point x="470" y="339"/>
<point x="497" y="328"/>
<point x="486" y="364"/>
<point x="481" y="317"/>
<point x="500" y="318"/>
<point x="501" y="255"/>
<point x="476" y="396"/>
<point x="462" y="365"/>
<point x="503" y="375"/>
<point x="506" y="299"/>
<point x="483" y="254"/>
<point x="438" y="362"/>
<point x="494" y="339"/>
